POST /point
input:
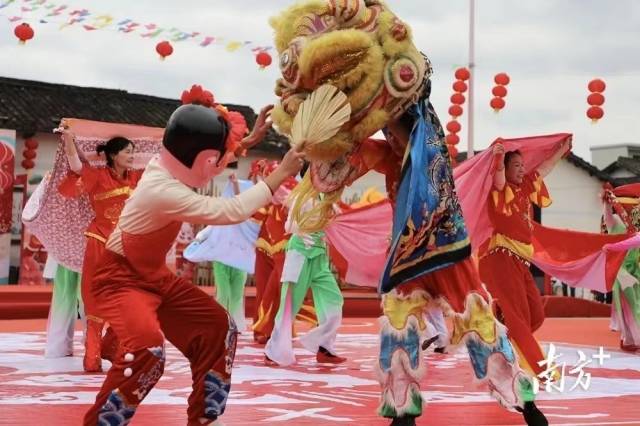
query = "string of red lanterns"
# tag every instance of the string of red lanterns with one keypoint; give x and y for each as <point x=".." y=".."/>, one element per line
<point x="499" y="91"/>
<point x="29" y="153"/>
<point x="455" y="110"/>
<point x="596" y="99"/>
<point x="24" y="33"/>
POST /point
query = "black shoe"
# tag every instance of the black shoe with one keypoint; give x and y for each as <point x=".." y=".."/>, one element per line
<point x="403" y="421"/>
<point x="441" y="350"/>
<point x="532" y="415"/>
<point x="429" y="342"/>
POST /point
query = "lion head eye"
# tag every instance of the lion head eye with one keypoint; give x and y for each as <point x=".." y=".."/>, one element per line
<point x="285" y="59"/>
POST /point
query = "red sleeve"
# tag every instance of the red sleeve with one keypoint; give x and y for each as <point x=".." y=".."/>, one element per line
<point x="537" y="190"/>
<point x="260" y="216"/>
<point x="373" y="154"/>
<point x="73" y="185"/>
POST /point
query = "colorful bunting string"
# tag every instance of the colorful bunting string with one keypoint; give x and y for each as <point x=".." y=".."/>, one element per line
<point x="51" y="12"/>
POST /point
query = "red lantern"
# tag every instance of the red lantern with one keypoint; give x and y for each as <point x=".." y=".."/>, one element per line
<point x="28" y="164"/>
<point x="453" y="126"/>
<point x="24" y="32"/>
<point x="452" y="139"/>
<point x="455" y="110"/>
<point x="499" y="91"/>
<point x="453" y="153"/>
<point x="502" y="79"/>
<point x="463" y="74"/>
<point x="31" y="144"/>
<point x="597" y="85"/>
<point x="164" y="49"/>
<point x="497" y="104"/>
<point x="595" y="99"/>
<point x="29" y="154"/>
<point x="457" y="99"/>
<point x="263" y="59"/>
<point x="460" y="86"/>
<point x="595" y="113"/>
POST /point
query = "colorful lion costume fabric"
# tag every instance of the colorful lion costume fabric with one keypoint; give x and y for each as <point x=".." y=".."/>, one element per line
<point x="367" y="52"/>
<point x="362" y="48"/>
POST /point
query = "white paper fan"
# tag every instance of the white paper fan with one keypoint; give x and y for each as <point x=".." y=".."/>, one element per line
<point x="320" y="116"/>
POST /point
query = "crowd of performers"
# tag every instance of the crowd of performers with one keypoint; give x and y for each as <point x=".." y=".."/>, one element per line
<point x="499" y="318"/>
<point x="461" y="240"/>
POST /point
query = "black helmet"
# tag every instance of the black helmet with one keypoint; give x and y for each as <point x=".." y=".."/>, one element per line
<point x="192" y="129"/>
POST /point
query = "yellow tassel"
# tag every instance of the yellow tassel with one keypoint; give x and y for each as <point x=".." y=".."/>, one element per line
<point x="322" y="212"/>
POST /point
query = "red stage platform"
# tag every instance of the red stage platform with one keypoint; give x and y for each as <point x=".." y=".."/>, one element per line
<point x="55" y="392"/>
<point x="32" y="302"/>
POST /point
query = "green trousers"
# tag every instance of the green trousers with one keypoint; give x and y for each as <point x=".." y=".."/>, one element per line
<point x="230" y="283"/>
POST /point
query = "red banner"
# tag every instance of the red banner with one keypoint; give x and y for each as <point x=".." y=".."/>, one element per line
<point x="7" y="160"/>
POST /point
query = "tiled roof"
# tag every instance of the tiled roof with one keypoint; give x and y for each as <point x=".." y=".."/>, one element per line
<point x="32" y="106"/>
<point x="632" y="165"/>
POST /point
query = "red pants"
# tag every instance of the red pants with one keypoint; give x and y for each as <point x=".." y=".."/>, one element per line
<point x="143" y="314"/>
<point x="92" y="255"/>
<point x="452" y="284"/>
<point x="267" y="278"/>
<point x="93" y="337"/>
<point x="509" y="281"/>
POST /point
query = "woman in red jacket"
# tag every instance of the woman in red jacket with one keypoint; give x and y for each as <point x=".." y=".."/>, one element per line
<point x="107" y="188"/>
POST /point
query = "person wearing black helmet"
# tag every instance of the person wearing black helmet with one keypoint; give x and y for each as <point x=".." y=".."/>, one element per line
<point x="142" y="300"/>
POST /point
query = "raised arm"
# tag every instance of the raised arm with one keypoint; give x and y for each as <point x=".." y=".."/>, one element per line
<point x="499" y="178"/>
<point x="68" y="138"/>
<point x="545" y="168"/>
<point x="259" y="131"/>
<point x="188" y="206"/>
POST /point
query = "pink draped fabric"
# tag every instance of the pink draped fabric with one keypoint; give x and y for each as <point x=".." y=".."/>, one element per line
<point x="358" y="242"/>
<point x="58" y="222"/>
<point x="580" y="259"/>
<point x="474" y="178"/>
<point x="624" y="245"/>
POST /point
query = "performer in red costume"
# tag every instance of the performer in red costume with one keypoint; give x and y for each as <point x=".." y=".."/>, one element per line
<point x="504" y="261"/>
<point x="270" y="246"/>
<point x="272" y="239"/>
<point x="107" y="189"/>
<point x="142" y="300"/>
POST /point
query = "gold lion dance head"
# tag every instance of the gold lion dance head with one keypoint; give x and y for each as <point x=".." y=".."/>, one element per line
<point x="361" y="48"/>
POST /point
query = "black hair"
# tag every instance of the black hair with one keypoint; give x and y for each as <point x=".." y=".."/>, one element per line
<point x="509" y="155"/>
<point x="112" y="147"/>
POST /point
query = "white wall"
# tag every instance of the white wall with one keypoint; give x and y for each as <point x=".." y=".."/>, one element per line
<point x="576" y="203"/>
<point x="371" y="179"/>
